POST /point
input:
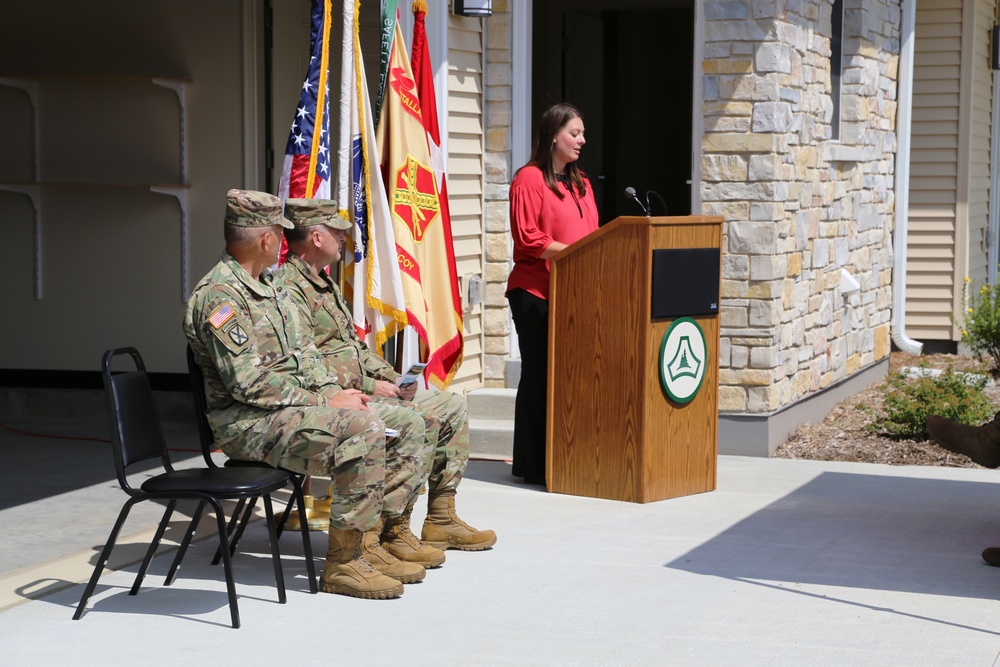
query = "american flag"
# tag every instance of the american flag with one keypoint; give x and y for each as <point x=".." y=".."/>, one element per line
<point x="221" y="316"/>
<point x="306" y="170"/>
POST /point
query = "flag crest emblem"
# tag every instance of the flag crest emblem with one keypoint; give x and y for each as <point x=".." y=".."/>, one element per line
<point x="415" y="200"/>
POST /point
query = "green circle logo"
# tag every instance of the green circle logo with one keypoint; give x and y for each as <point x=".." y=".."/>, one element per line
<point x="683" y="358"/>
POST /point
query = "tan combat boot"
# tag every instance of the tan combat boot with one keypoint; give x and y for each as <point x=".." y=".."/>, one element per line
<point x="979" y="443"/>
<point x="385" y="562"/>
<point x="404" y="545"/>
<point x="347" y="572"/>
<point x="444" y="530"/>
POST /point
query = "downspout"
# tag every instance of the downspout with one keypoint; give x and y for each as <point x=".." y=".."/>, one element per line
<point x="904" y="104"/>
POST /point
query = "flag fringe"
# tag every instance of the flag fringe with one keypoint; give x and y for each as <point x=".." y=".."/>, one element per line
<point x="436" y="372"/>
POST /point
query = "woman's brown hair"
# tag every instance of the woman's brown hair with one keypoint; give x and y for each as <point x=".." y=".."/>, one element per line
<point x="552" y="121"/>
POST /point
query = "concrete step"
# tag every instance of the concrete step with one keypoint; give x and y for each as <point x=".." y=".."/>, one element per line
<point x="492" y="403"/>
<point x="491" y="423"/>
<point x="491" y="438"/>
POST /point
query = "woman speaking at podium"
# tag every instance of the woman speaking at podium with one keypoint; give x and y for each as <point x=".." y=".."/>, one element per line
<point x="551" y="206"/>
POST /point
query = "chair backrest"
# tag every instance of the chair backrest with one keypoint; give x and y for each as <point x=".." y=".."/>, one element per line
<point x="197" y="379"/>
<point x="136" y="435"/>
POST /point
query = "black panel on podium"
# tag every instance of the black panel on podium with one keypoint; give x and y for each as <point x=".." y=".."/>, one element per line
<point x="685" y="282"/>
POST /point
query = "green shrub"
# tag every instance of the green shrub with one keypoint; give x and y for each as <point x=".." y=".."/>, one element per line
<point x="909" y="401"/>
<point x="980" y="323"/>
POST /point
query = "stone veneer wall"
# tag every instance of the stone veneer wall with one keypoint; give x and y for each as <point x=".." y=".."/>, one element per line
<point x="799" y="208"/>
<point x="499" y="113"/>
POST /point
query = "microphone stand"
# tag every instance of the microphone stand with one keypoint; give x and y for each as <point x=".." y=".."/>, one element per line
<point x="630" y="194"/>
<point x="662" y="203"/>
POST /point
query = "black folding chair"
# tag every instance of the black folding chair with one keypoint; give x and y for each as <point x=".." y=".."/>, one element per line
<point x="137" y="437"/>
<point x="244" y="508"/>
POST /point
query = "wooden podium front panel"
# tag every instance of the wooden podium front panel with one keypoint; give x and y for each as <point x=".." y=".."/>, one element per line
<point x="612" y="431"/>
<point x="679" y="458"/>
<point x="597" y="362"/>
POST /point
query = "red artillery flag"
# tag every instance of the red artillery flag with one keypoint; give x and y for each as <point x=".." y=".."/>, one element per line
<point x="370" y="271"/>
<point x="415" y="201"/>
<point x="444" y="363"/>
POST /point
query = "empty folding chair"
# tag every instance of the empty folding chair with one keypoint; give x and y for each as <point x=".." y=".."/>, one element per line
<point x="137" y="437"/>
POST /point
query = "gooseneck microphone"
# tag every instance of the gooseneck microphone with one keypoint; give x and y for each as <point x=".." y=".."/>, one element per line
<point x="630" y="193"/>
<point x="662" y="203"/>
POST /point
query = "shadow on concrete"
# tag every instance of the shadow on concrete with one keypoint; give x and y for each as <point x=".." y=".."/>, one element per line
<point x="497" y="472"/>
<point x="902" y="534"/>
<point x="251" y="568"/>
<point x="72" y="458"/>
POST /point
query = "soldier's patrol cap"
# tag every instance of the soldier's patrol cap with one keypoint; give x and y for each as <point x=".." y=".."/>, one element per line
<point x="311" y="212"/>
<point x="248" y="208"/>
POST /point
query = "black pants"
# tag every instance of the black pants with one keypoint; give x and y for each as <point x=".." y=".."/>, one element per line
<point x="531" y="319"/>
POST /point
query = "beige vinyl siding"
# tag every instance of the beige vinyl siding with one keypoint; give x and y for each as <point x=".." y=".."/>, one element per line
<point x="979" y="173"/>
<point x="466" y="146"/>
<point x="934" y="213"/>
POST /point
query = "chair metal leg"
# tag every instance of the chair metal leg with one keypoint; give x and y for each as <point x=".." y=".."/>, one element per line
<point x="247" y="514"/>
<point x="272" y="535"/>
<point x="185" y="542"/>
<point x="283" y="519"/>
<point x="235" y="531"/>
<point x="155" y="542"/>
<point x="299" y="498"/>
<point x="102" y="560"/>
<point x="231" y="527"/>
<point x="227" y="563"/>
<point x="296" y="487"/>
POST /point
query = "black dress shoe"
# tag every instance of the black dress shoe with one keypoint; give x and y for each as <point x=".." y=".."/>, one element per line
<point x="992" y="556"/>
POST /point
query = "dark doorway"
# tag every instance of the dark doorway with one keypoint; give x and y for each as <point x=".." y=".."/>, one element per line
<point x="628" y="66"/>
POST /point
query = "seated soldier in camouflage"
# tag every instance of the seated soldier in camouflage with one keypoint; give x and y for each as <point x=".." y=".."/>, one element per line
<point x="316" y="242"/>
<point x="270" y="398"/>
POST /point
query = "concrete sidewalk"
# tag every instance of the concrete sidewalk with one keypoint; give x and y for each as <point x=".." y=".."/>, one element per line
<point x="786" y="563"/>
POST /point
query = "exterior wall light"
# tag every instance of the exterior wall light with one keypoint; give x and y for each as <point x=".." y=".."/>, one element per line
<point x="472" y="7"/>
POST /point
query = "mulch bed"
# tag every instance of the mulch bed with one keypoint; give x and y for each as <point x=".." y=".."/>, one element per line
<point x="845" y="434"/>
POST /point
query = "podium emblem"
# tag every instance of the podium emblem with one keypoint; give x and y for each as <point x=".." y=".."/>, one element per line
<point x="683" y="358"/>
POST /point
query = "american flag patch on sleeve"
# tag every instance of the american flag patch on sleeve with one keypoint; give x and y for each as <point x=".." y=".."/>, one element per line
<point x="224" y="313"/>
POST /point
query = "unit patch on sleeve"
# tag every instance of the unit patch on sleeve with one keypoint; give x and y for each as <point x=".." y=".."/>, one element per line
<point x="238" y="335"/>
<point x="230" y="328"/>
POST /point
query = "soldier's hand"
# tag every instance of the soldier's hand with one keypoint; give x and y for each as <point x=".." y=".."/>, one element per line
<point x="349" y="399"/>
<point x="408" y="392"/>
<point x="386" y="389"/>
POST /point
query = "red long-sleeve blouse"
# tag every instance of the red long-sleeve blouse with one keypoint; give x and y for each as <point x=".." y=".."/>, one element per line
<point x="537" y="218"/>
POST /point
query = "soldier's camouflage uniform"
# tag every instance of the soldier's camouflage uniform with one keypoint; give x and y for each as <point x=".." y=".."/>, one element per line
<point x="263" y="383"/>
<point x="319" y="299"/>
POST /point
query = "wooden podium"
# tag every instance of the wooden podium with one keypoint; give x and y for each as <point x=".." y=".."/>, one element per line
<point x="613" y="431"/>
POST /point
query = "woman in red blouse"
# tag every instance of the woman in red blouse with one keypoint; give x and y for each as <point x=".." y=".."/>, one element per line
<point x="551" y="206"/>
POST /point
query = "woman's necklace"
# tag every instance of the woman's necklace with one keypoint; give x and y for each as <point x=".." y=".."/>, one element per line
<point x="564" y="179"/>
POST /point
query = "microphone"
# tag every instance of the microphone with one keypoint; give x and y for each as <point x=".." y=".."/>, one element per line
<point x="630" y="193"/>
<point x="662" y="203"/>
